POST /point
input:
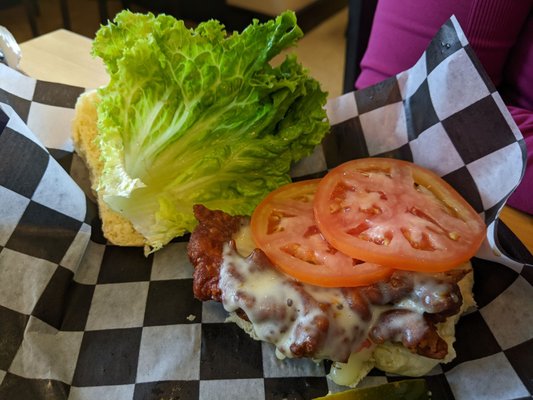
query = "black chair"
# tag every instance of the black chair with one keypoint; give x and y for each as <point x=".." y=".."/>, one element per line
<point x="33" y="10"/>
<point x="65" y="14"/>
<point x="157" y="6"/>
<point x="234" y="18"/>
<point x="360" y="17"/>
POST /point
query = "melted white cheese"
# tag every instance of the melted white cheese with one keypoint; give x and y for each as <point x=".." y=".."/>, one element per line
<point x="278" y="311"/>
<point x="396" y="359"/>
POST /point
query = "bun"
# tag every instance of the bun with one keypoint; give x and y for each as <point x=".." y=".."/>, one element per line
<point x="116" y="229"/>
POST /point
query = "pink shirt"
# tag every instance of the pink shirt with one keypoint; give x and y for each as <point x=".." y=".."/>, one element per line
<point x="499" y="31"/>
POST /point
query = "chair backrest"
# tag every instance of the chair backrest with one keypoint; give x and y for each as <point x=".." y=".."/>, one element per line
<point x="360" y="17"/>
<point x="31" y="7"/>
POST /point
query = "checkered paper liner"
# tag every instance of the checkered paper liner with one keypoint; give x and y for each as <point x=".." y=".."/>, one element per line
<point x="82" y="319"/>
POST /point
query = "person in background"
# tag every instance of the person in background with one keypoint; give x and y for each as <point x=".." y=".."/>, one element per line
<point x="499" y="31"/>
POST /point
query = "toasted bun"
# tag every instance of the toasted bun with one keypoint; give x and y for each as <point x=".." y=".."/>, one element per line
<point x="117" y="229"/>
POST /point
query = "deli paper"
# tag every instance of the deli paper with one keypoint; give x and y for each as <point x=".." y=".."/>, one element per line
<point x="82" y="319"/>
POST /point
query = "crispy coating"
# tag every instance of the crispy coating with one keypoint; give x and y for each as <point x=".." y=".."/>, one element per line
<point x="215" y="228"/>
<point x="412" y="330"/>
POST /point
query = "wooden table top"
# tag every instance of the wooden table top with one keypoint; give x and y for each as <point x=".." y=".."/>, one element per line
<point x="64" y="56"/>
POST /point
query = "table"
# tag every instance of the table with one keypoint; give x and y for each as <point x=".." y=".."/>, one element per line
<point x="64" y="56"/>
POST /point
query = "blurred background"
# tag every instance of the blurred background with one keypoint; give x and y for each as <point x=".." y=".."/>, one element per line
<point x="324" y="22"/>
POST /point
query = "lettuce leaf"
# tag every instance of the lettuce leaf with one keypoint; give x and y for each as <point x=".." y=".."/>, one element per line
<point x="199" y="116"/>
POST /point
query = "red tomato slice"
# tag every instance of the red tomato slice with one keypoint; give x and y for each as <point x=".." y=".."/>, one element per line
<point x="397" y="214"/>
<point x="283" y="226"/>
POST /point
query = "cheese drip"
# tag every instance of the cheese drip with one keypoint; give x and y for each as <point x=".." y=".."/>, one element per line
<point x="284" y="312"/>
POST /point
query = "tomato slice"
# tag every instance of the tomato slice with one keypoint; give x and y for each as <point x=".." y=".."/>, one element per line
<point x="397" y="214"/>
<point x="283" y="226"/>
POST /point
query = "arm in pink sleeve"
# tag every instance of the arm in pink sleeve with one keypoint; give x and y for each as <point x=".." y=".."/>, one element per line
<point x="522" y="198"/>
<point x="401" y="31"/>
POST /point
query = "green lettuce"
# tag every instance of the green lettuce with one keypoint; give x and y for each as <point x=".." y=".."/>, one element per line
<point x="199" y="116"/>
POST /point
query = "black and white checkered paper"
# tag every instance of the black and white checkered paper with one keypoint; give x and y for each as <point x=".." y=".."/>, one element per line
<point x="81" y="319"/>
